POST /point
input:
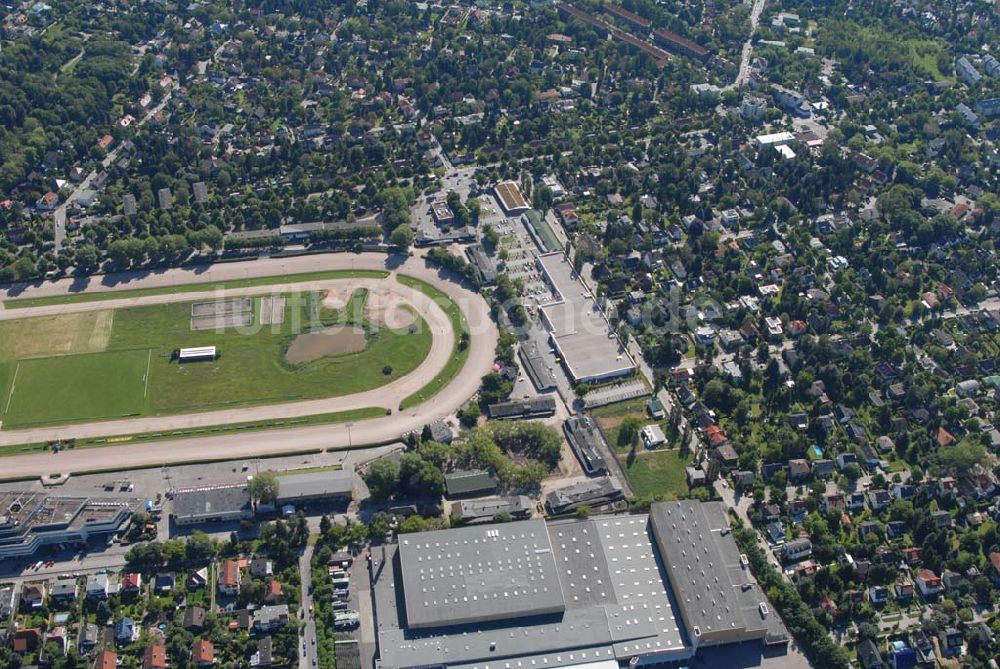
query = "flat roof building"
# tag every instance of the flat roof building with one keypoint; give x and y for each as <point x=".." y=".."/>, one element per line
<point x="536" y="407"/>
<point x="510" y="197"/>
<point x="197" y="353"/>
<point x="31" y="520"/>
<point x="313" y="486"/>
<point x="485" y="509"/>
<point x="589" y="593"/>
<point x="474" y="575"/>
<point x="595" y="492"/>
<point x="584" y="339"/>
<point x="209" y="505"/>
<point x="707" y="577"/>
<point x="469" y="483"/>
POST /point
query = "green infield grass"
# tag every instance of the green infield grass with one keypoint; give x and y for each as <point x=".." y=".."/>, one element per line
<point x="76" y="387"/>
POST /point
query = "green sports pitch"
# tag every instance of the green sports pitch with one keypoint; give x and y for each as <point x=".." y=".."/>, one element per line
<point x="108" y="364"/>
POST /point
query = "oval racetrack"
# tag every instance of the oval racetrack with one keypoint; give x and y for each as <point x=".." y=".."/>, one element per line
<point x="482" y="347"/>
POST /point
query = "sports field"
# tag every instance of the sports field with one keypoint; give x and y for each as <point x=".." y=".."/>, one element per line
<point x="113" y="363"/>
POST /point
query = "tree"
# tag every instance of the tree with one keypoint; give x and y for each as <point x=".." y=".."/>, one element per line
<point x="264" y="487"/>
<point x="382" y="478"/>
<point x="401" y="237"/>
<point x="628" y="431"/>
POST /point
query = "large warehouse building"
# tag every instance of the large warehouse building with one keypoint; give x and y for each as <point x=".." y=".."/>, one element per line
<point x="568" y="594"/>
<point x="589" y="349"/>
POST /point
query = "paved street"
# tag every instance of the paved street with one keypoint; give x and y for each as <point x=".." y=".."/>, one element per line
<point x="308" y="657"/>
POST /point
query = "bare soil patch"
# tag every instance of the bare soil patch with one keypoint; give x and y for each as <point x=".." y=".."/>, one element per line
<point x="322" y="343"/>
<point x="336" y="298"/>
<point x="219" y="307"/>
<point x="272" y="310"/>
<point x="389" y="310"/>
<point x="222" y="321"/>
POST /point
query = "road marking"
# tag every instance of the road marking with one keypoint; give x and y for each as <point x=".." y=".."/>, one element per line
<point x="145" y="378"/>
<point x="10" y="395"/>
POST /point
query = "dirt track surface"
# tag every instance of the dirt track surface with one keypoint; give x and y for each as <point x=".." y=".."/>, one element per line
<point x="482" y="348"/>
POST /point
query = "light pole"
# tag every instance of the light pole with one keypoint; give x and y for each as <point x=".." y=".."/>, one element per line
<point x="350" y="442"/>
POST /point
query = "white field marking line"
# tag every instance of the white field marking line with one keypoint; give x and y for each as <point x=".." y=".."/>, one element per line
<point x="13" y="382"/>
<point x="145" y="388"/>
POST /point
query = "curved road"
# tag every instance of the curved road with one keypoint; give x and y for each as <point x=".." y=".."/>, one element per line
<point x="481" y="354"/>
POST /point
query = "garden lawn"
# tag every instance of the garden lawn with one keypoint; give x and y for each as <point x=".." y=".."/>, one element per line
<point x="657" y="474"/>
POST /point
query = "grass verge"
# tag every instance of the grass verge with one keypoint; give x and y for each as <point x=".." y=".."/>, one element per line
<point x="460" y="354"/>
<point x="193" y="288"/>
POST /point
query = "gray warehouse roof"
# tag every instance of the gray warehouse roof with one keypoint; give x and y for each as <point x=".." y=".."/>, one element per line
<point x="208" y="502"/>
<point x="315" y="485"/>
<point x="577" y="326"/>
<point x="718" y="598"/>
<point x="476" y="574"/>
<point x="617" y="606"/>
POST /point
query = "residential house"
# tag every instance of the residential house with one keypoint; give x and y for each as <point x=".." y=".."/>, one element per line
<point x="261" y="568"/>
<point x="879" y="499"/>
<point x="33" y="595"/>
<point x="107" y="659"/>
<point x="273" y="593"/>
<point x="229" y="578"/>
<point x="126" y="631"/>
<point x="921" y="643"/>
<point x="823" y="468"/>
<point x="164" y="582"/>
<point x="833" y="502"/>
<point x="131" y="582"/>
<point x="878" y="595"/>
<point x="995" y="564"/>
<point x="912" y="555"/>
<point x="795" y="550"/>
<point x="64" y="590"/>
<point x="90" y="635"/>
<point x="26" y="640"/>
<point x="155" y="657"/>
<point x="845" y="459"/>
<point x="929" y="584"/>
<point x="895" y="529"/>
<point x="869" y="527"/>
<point x="775" y="533"/>
<point x="901" y="656"/>
<point x="903" y="588"/>
<point x="198" y="579"/>
<point x="269" y="618"/>
<point x="194" y="618"/>
<point x="202" y="653"/>
<point x="951" y="642"/>
<point x="798" y="470"/>
<point x="55" y="640"/>
<point x="97" y="586"/>
<point x="942" y="519"/>
<point x="856" y="501"/>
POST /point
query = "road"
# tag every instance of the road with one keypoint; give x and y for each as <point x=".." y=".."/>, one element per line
<point x="309" y="633"/>
<point x="740" y="507"/>
<point x="482" y="346"/>
<point x="59" y="215"/>
<point x="744" y="72"/>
